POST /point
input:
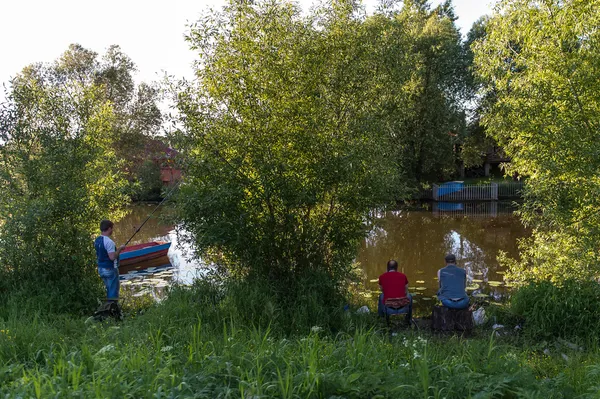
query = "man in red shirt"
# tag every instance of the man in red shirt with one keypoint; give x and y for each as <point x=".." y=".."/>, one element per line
<point x="394" y="288"/>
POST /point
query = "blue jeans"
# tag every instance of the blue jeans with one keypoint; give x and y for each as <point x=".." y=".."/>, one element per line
<point x="382" y="309"/>
<point x="110" y="277"/>
<point x="460" y="304"/>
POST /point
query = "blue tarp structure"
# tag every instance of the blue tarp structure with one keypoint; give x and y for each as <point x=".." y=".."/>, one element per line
<point x="450" y="206"/>
<point x="450" y="187"/>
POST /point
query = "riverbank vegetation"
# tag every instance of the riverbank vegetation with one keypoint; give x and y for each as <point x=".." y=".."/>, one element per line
<point x="197" y="344"/>
<point x="298" y="125"/>
<point x="294" y="140"/>
<point x="73" y="134"/>
<point x="60" y="175"/>
<point x="538" y="60"/>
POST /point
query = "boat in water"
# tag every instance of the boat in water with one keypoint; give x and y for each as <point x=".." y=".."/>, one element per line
<point x="143" y="256"/>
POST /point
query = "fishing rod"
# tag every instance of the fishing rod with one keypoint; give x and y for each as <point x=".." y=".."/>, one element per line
<point x="152" y="213"/>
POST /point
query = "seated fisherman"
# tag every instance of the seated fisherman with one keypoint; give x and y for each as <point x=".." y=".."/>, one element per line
<point x="453" y="284"/>
<point x="394" y="298"/>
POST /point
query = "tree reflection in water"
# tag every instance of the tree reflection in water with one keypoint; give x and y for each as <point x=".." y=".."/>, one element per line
<point x="420" y="238"/>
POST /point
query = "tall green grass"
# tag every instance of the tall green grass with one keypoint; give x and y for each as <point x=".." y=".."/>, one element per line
<point x="199" y="344"/>
<point x="549" y="311"/>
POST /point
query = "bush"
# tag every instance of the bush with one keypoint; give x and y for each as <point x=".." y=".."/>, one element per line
<point x="278" y="187"/>
<point x="570" y="310"/>
<point x="59" y="178"/>
<point x="258" y="304"/>
<point x="526" y="48"/>
<point x="150" y="184"/>
<point x="292" y="307"/>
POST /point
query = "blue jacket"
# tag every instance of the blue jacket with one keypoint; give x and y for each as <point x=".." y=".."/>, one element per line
<point x="102" y="258"/>
<point x="453" y="282"/>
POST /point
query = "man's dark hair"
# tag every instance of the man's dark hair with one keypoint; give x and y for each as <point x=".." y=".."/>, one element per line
<point x="392" y="265"/>
<point x="105" y="225"/>
<point x="450" y="258"/>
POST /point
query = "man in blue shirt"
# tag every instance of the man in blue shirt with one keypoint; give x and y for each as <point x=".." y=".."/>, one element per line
<point x="453" y="285"/>
<point x="107" y="256"/>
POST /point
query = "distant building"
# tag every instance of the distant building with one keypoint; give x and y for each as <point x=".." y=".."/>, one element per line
<point x="166" y="158"/>
<point x="169" y="175"/>
<point x="492" y="159"/>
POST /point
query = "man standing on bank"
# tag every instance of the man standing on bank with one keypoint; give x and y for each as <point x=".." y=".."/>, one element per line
<point x="106" y="255"/>
<point x="453" y="285"/>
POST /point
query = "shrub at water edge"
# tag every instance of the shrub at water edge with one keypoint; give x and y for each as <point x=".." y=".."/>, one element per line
<point x="570" y="310"/>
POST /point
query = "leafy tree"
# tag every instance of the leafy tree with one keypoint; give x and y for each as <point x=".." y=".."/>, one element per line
<point x="421" y="73"/>
<point x="137" y="118"/>
<point x="284" y="154"/>
<point x="150" y="182"/>
<point x="475" y="142"/>
<point x="542" y="58"/>
<point x="136" y="114"/>
<point x="59" y="177"/>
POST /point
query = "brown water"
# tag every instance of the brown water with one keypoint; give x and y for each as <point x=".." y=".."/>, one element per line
<point x="420" y="238"/>
<point x="417" y="238"/>
<point x="158" y="228"/>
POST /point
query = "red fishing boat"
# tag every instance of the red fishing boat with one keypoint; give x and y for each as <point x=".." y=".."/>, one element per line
<point x="143" y="256"/>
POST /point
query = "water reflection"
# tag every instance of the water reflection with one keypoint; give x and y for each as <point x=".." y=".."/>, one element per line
<point x="419" y="239"/>
<point x="483" y="209"/>
<point x="158" y="228"/>
<point x="187" y="267"/>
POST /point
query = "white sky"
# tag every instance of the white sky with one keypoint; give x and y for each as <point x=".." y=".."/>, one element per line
<point x="149" y="31"/>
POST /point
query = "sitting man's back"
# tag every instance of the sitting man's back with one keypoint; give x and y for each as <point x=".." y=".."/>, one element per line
<point x="394" y="286"/>
<point x="393" y="283"/>
<point x="453" y="281"/>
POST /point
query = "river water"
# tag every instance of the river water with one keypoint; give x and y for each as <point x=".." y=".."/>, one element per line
<point x="418" y="238"/>
<point x="158" y="228"/>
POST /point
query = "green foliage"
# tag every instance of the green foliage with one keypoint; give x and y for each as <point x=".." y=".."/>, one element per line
<point x="539" y="60"/>
<point x="285" y="157"/>
<point x="476" y="142"/>
<point x="150" y="183"/>
<point x="59" y="178"/>
<point x="553" y="256"/>
<point x="307" y="301"/>
<point x="136" y="116"/>
<point x="299" y="124"/>
<point x="184" y="348"/>
<point x="419" y="81"/>
<point x="570" y="310"/>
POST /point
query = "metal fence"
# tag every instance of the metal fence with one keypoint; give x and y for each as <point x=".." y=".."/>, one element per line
<point x="465" y="192"/>
<point x="425" y="194"/>
<point x="484" y="209"/>
<point x="458" y="191"/>
<point x="510" y="190"/>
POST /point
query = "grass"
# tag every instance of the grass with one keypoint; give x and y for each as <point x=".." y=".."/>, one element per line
<point x="568" y="311"/>
<point x="190" y="346"/>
